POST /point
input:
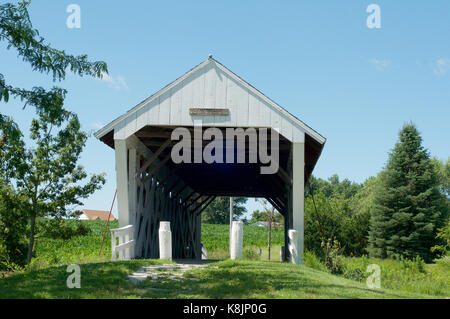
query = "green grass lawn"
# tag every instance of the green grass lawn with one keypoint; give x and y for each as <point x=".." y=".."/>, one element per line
<point x="79" y="249"/>
<point x="253" y="277"/>
<point x="216" y="237"/>
<point x="225" y="279"/>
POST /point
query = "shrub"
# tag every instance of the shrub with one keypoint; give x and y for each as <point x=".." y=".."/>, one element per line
<point x="59" y="228"/>
<point x="13" y="231"/>
<point x="312" y="261"/>
<point x="250" y="253"/>
<point x="416" y="264"/>
<point x="444" y="236"/>
<point x="334" y="259"/>
<point x="5" y="261"/>
<point x="354" y="274"/>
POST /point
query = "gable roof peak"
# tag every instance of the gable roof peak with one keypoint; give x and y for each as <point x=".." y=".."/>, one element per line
<point x="307" y="129"/>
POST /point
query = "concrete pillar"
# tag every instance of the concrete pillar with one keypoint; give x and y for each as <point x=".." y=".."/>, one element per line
<point x="204" y="253"/>
<point x="165" y="241"/>
<point x="298" y="194"/>
<point x="120" y="147"/>
<point x="237" y="238"/>
<point x="293" y="249"/>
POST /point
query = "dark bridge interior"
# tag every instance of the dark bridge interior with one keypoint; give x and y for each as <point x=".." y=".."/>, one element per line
<point x="228" y="179"/>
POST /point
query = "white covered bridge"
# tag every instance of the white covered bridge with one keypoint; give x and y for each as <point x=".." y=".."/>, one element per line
<point x="154" y="185"/>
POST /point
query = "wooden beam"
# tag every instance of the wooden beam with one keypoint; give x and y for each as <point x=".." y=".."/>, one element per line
<point x="276" y="184"/>
<point x="143" y="150"/>
<point x="169" y="176"/>
<point x="154" y="134"/>
<point x="234" y="192"/>
<point x="284" y="176"/>
<point x="208" y="112"/>
<point x="155" y="156"/>
<point x="201" y="203"/>
<point x="187" y="197"/>
<point x="180" y="191"/>
<point x="152" y="142"/>
<point x="132" y="185"/>
<point x="172" y="187"/>
<point x="277" y="207"/>
<point x="206" y="204"/>
<point x="298" y="201"/>
<point x="278" y="202"/>
<point x="194" y="201"/>
<point x="289" y="161"/>
<point x="154" y="170"/>
<point x="120" y="147"/>
<point x="139" y="146"/>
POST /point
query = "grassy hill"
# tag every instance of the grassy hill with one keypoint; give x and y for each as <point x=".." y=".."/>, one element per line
<point x="230" y="279"/>
<point x="255" y="278"/>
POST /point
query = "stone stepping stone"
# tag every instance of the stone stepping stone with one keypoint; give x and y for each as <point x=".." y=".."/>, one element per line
<point x="165" y="271"/>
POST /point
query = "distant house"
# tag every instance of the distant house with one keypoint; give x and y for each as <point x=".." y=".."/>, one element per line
<point x="89" y="214"/>
<point x="266" y="224"/>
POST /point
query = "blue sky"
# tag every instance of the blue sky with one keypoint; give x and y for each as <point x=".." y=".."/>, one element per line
<point x="318" y="59"/>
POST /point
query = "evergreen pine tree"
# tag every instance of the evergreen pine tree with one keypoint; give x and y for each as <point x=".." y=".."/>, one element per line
<point x="407" y="208"/>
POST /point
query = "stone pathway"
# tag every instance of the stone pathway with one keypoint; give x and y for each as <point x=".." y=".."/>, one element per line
<point x="166" y="271"/>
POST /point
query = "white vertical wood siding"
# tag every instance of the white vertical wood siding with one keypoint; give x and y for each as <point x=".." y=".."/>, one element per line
<point x="209" y="87"/>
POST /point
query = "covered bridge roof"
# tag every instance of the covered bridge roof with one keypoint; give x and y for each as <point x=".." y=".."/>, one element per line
<point x="212" y="86"/>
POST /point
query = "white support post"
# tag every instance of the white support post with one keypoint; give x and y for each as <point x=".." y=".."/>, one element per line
<point x="237" y="239"/>
<point x="293" y="250"/>
<point x="120" y="147"/>
<point x="298" y="189"/>
<point x="165" y="241"/>
<point x="132" y="187"/>
<point x="204" y="253"/>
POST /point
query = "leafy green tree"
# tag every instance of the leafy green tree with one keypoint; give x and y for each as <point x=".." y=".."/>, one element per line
<point x="13" y="226"/>
<point x="333" y="187"/>
<point x="443" y="172"/>
<point x="257" y="216"/>
<point x="444" y="236"/>
<point x="261" y="216"/>
<point x="13" y="223"/>
<point x="218" y="212"/>
<point x="17" y="31"/>
<point x="342" y="214"/>
<point x="328" y="220"/>
<point x="49" y="179"/>
<point x="408" y="207"/>
<point x="17" y="164"/>
<point x="356" y="223"/>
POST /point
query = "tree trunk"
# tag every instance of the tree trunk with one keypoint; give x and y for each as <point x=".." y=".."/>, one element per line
<point x="31" y="244"/>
